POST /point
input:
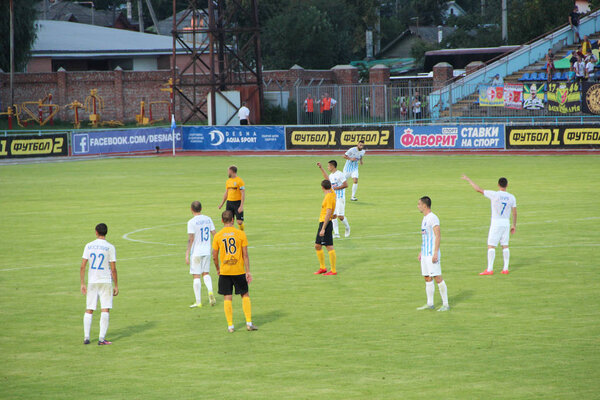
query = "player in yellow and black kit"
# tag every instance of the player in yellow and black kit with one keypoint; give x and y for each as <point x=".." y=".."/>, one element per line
<point x="235" y="195"/>
<point x="325" y="232"/>
<point x="231" y="245"/>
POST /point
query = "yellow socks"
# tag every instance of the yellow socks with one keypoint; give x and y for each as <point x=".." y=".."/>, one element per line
<point x="247" y="306"/>
<point x="332" y="259"/>
<point x="228" y="312"/>
<point x="321" y="256"/>
<point x="242" y="226"/>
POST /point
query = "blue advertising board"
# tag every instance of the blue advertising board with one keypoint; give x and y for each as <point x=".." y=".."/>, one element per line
<point x="124" y="141"/>
<point x="424" y="137"/>
<point x="233" y="138"/>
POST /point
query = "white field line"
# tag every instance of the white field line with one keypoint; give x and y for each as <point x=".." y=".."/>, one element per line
<point x="306" y="243"/>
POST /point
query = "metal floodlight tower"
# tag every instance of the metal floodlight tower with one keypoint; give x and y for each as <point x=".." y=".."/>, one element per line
<point x="221" y="52"/>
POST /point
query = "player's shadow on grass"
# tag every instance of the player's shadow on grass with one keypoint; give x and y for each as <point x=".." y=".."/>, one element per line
<point x="268" y="317"/>
<point x="460" y="297"/>
<point x="132" y="330"/>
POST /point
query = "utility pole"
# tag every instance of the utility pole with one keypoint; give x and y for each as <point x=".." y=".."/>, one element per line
<point x="483" y="8"/>
<point x="140" y="16"/>
<point x="504" y="22"/>
<point x="12" y="51"/>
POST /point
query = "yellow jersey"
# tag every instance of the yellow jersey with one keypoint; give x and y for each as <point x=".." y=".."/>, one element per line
<point x="234" y="187"/>
<point x="230" y="241"/>
<point x="328" y="202"/>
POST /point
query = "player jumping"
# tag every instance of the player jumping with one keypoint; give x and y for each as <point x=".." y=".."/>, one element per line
<point x="503" y="205"/>
<point x="353" y="157"/>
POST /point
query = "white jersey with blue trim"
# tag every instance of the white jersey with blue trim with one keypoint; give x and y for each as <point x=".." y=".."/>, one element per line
<point x="428" y="246"/>
<point x="337" y="179"/>
<point x="99" y="254"/>
<point x="201" y="226"/>
<point x="354" y="152"/>
<point x="502" y="204"/>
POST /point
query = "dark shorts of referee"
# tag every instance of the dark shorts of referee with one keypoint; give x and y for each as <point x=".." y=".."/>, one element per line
<point x="327" y="239"/>
<point x="228" y="282"/>
<point x="233" y="206"/>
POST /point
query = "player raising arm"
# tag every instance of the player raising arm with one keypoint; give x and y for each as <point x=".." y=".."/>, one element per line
<point x="102" y="282"/>
<point x="503" y="205"/>
<point x="339" y="185"/>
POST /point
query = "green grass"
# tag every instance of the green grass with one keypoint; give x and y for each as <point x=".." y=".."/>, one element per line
<point x="531" y="335"/>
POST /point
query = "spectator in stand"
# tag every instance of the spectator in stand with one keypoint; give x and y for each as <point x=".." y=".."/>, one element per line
<point x="586" y="46"/>
<point x="403" y="109"/>
<point x="579" y="69"/>
<point x="309" y="108"/>
<point x="244" y="114"/>
<point x="572" y="75"/>
<point x="416" y="108"/>
<point x="574" y="22"/>
<point x="549" y="65"/>
<point x="497" y="80"/>
<point x="327" y="105"/>
<point x="589" y="67"/>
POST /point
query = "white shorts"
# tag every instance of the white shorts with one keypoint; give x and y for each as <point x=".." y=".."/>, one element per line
<point x="498" y="233"/>
<point x="199" y="265"/>
<point x="353" y="174"/>
<point x="102" y="290"/>
<point x="340" y="206"/>
<point x="428" y="268"/>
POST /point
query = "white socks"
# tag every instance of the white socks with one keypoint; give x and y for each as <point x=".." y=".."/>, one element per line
<point x="506" y="254"/>
<point x="197" y="287"/>
<point x="354" y="187"/>
<point x="103" y="325"/>
<point x="346" y="224"/>
<point x="336" y="227"/>
<point x="491" y="256"/>
<point x="87" y="325"/>
<point x="443" y="292"/>
<point x="430" y="290"/>
<point x="208" y="283"/>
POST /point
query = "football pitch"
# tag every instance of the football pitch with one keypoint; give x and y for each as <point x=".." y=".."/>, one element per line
<point x="530" y="335"/>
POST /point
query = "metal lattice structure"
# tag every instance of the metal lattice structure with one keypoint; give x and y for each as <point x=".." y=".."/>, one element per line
<point x="221" y="52"/>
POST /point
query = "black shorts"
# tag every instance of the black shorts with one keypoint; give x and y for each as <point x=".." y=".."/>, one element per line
<point x="233" y="206"/>
<point x="327" y="239"/>
<point x="228" y="282"/>
<point x="243" y="122"/>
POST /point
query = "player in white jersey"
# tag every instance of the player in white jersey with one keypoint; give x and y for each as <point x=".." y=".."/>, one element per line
<point x="354" y="157"/>
<point x="102" y="282"/>
<point x="430" y="255"/>
<point x="503" y="205"/>
<point x="339" y="185"/>
<point x="198" y="253"/>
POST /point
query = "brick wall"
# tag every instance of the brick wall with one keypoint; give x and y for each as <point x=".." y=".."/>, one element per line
<point x="122" y="91"/>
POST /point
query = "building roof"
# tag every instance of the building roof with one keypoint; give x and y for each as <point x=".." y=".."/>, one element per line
<point x="166" y="25"/>
<point x="461" y="11"/>
<point x="73" y="12"/>
<point x="71" y="39"/>
<point x="426" y="33"/>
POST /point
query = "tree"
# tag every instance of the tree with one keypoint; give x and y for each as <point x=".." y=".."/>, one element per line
<point x="24" y="29"/>
<point x="529" y="19"/>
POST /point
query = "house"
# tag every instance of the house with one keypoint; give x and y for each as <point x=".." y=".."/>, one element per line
<point x="583" y="6"/>
<point x="453" y="10"/>
<point x="60" y="10"/>
<point x="401" y="46"/>
<point x="165" y="26"/>
<point x="81" y="47"/>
